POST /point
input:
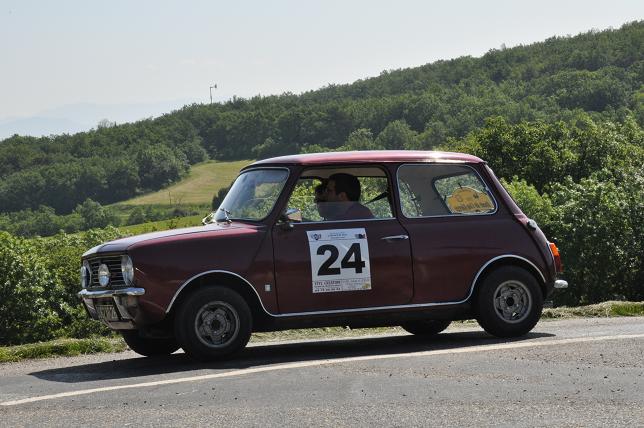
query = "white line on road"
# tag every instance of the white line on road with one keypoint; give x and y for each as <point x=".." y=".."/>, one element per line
<point x="242" y="372"/>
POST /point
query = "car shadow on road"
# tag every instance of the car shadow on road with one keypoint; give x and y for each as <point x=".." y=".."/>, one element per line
<point x="265" y="354"/>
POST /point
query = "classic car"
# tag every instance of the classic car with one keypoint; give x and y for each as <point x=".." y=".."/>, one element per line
<point x="358" y="239"/>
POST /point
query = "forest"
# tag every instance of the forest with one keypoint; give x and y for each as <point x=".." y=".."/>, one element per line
<point x="560" y="121"/>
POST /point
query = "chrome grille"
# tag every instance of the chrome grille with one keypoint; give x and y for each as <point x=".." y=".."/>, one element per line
<point x="114" y="265"/>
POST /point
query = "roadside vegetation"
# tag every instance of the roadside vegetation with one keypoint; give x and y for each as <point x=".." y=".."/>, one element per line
<point x="61" y="347"/>
<point x="113" y="343"/>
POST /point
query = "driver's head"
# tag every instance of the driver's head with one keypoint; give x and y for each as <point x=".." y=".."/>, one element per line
<point x="342" y="188"/>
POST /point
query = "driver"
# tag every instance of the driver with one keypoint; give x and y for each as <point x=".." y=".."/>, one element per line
<point x="342" y="194"/>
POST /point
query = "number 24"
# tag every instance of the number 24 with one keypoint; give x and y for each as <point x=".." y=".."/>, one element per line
<point x="346" y="263"/>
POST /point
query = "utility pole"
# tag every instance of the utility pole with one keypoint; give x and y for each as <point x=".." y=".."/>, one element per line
<point x="211" y="88"/>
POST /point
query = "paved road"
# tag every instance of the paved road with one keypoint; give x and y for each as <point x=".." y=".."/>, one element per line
<point x="584" y="372"/>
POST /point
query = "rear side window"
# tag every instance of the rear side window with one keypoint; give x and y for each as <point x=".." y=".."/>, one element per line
<point x="428" y="190"/>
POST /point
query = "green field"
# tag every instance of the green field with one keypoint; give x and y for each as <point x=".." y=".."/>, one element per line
<point x="192" y="195"/>
<point x="198" y="188"/>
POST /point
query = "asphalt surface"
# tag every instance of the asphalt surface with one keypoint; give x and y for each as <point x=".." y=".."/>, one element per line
<point x="581" y="372"/>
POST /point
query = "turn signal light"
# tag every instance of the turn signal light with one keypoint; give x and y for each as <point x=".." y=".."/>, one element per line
<point x="555" y="254"/>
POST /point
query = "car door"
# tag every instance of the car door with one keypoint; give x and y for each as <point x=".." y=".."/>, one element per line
<point x="450" y="214"/>
<point x="343" y="265"/>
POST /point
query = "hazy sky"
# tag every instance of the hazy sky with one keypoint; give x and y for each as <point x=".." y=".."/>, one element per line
<point x="119" y="53"/>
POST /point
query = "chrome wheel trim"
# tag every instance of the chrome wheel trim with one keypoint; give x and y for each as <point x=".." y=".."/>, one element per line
<point x="217" y="324"/>
<point x="512" y="301"/>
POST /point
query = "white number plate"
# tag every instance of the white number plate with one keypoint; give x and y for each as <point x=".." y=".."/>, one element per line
<point x="339" y="260"/>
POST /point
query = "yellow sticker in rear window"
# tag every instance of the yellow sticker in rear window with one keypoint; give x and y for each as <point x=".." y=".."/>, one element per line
<point x="466" y="200"/>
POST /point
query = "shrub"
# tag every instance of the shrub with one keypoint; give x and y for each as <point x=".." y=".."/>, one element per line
<point x="30" y="296"/>
<point x="60" y="256"/>
<point x="599" y="226"/>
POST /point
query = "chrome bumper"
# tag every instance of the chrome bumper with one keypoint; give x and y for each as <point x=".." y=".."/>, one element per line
<point x="560" y="283"/>
<point x="85" y="293"/>
<point x="125" y="300"/>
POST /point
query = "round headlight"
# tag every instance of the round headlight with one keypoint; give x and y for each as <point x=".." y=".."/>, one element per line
<point x="103" y="275"/>
<point x="86" y="274"/>
<point x="127" y="269"/>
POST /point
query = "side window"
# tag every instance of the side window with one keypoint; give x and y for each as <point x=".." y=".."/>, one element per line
<point x="437" y="190"/>
<point x="303" y="198"/>
<point x="318" y="200"/>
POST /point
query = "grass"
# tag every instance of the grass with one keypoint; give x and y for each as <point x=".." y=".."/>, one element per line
<point x="605" y="309"/>
<point x="72" y="347"/>
<point x="203" y="181"/>
<point x="61" y="347"/>
<point x="320" y="333"/>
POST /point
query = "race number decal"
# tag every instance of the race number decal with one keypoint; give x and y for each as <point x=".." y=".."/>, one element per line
<point x="339" y="260"/>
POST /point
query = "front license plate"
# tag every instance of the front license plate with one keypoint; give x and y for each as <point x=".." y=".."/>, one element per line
<point x="107" y="312"/>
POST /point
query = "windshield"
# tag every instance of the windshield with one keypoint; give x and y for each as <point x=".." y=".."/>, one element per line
<point x="253" y="195"/>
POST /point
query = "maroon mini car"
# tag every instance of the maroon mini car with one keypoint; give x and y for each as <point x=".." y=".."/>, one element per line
<point x="358" y="239"/>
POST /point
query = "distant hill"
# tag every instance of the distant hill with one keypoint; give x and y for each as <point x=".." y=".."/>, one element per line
<point x="85" y="117"/>
<point x="598" y="73"/>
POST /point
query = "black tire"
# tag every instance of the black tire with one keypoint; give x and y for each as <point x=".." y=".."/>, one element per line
<point x="213" y="323"/>
<point x="149" y="347"/>
<point x="509" y="302"/>
<point x="426" y="328"/>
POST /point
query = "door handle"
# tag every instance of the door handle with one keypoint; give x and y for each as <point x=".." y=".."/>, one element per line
<point x="395" y="238"/>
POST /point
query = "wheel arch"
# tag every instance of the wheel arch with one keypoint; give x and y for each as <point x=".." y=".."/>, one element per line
<point x="507" y="260"/>
<point x="225" y="279"/>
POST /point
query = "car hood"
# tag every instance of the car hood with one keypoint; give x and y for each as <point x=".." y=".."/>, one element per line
<point x="121" y="245"/>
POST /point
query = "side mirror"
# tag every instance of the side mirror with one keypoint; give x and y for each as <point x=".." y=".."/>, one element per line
<point x="208" y="219"/>
<point x="292" y="215"/>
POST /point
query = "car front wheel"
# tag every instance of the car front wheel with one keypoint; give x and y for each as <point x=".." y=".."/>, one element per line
<point x="213" y="323"/>
<point x="509" y="302"/>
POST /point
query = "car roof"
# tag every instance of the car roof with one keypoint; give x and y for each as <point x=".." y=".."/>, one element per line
<point x="367" y="156"/>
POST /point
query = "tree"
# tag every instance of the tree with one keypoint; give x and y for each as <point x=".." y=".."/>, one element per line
<point x="397" y="135"/>
<point x="95" y="216"/>
<point x="361" y="139"/>
<point x="159" y="166"/>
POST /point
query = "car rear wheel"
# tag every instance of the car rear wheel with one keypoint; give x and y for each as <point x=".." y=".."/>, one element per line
<point x="213" y="323"/>
<point x="509" y="302"/>
<point x="149" y="347"/>
<point x="426" y="327"/>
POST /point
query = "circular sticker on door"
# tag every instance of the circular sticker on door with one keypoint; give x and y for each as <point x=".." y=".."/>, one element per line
<point x="339" y="260"/>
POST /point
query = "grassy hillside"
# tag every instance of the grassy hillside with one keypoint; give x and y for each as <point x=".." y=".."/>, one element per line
<point x="202" y="182"/>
